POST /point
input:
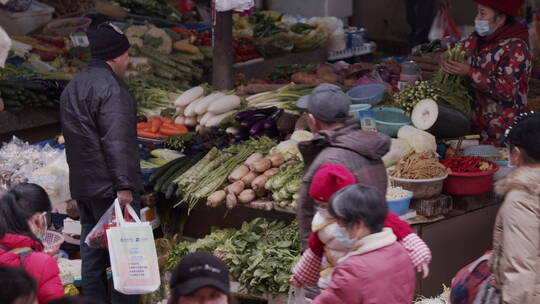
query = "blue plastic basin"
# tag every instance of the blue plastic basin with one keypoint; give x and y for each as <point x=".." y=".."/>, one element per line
<point x="368" y="93"/>
<point x="400" y="206"/>
<point x="390" y="120"/>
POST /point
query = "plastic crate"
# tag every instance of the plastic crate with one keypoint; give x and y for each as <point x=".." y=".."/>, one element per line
<point x="23" y="23"/>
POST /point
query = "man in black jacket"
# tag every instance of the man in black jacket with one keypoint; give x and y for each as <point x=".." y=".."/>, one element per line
<point x="99" y="124"/>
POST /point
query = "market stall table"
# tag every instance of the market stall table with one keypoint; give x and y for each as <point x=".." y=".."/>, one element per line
<point x="455" y="240"/>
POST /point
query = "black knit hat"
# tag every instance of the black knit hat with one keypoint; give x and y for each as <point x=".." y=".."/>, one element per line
<point x="525" y="133"/>
<point x="107" y="41"/>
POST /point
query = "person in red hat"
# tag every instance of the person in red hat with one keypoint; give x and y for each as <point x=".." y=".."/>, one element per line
<point x="498" y="68"/>
<point x="319" y="260"/>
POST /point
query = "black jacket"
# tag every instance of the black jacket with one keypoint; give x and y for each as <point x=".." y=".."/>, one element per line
<point x="99" y="122"/>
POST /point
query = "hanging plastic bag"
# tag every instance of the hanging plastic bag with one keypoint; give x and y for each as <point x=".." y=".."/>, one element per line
<point x="97" y="238"/>
<point x="443" y="26"/>
<point x="133" y="255"/>
<point x="297" y="295"/>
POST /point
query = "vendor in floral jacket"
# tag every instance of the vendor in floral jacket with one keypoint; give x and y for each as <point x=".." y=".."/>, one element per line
<point x="499" y="68"/>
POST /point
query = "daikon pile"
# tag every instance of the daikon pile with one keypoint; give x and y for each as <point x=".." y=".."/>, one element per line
<point x="197" y="108"/>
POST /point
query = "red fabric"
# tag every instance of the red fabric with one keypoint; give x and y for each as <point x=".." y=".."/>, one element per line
<point x="514" y="30"/>
<point x="385" y="275"/>
<point x="499" y="75"/>
<point x="306" y="272"/>
<point x="400" y="228"/>
<point x="41" y="266"/>
<point x="510" y="7"/>
<point x="315" y="244"/>
<point x="329" y="179"/>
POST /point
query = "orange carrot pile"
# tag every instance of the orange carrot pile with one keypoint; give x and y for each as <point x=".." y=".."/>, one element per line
<point x="159" y="128"/>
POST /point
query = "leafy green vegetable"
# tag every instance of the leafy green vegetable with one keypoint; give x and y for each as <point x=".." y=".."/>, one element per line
<point x="302" y="28"/>
<point x="260" y="255"/>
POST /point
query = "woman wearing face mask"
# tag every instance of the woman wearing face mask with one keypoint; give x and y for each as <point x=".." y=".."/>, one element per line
<point x="498" y="69"/>
<point x="511" y="273"/>
<point x="200" y="278"/>
<point x="22" y="220"/>
<point x="377" y="269"/>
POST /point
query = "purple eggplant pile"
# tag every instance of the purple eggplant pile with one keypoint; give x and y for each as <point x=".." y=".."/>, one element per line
<point x="259" y="122"/>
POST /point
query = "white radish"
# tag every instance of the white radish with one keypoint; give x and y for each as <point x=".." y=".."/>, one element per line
<point x="425" y="114"/>
<point x="189" y="96"/>
<point x="180" y="120"/>
<point x="214" y="121"/>
<point x="202" y="106"/>
<point x="180" y="110"/>
<point x="191" y="121"/>
<point x="190" y="109"/>
<point x="225" y="104"/>
<point x="205" y="118"/>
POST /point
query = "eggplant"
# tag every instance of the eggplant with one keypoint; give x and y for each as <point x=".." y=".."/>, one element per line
<point x="257" y="128"/>
<point x="254" y="119"/>
<point x="250" y="113"/>
<point x="243" y="134"/>
<point x="269" y="123"/>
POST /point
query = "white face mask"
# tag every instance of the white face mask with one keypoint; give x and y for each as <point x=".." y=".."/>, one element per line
<point x="343" y="237"/>
<point x="482" y="27"/>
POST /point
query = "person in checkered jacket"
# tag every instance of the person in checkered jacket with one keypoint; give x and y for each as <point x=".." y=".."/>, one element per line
<point x="319" y="260"/>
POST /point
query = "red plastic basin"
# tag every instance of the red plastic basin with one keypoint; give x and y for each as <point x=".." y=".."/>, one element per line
<point x="470" y="183"/>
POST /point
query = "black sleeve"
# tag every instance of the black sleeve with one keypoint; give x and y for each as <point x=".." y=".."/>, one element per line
<point x="116" y="122"/>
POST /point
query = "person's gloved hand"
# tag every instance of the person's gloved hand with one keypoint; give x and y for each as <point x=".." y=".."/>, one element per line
<point x="315" y="244"/>
<point x="418" y="252"/>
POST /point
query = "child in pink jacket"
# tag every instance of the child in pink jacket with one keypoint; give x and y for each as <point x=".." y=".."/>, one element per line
<point x="376" y="268"/>
<point x="320" y="259"/>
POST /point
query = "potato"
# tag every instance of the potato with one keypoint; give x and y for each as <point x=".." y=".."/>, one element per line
<point x="248" y="178"/>
<point x="216" y="199"/>
<point x="246" y="196"/>
<point x="238" y="173"/>
<point x="261" y="165"/>
<point x="259" y="182"/>
<point x="271" y="172"/>
<point x="253" y="158"/>
<point x="231" y="201"/>
<point x="277" y="160"/>
<point x="235" y="188"/>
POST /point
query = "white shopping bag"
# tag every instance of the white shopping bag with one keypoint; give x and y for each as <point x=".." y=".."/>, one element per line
<point x="133" y="255"/>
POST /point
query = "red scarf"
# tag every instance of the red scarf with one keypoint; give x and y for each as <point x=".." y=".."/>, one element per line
<point x="509" y="31"/>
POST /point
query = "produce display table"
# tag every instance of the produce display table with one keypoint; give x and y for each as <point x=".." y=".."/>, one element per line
<point x="31" y="124"/>
<point x="261" y="68"/>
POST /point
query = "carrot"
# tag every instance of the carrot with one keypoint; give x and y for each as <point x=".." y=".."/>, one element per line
<point x="147" y="134"/>
<point x="156" y="124"/>
<point x="176" y="127"/>
<point x="167" y="120"/>
<point x="181" y="127"/>
<point x="169" y="132"/>
<point x="144" y="125"/>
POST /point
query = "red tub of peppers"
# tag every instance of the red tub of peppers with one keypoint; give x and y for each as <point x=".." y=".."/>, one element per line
<point x="470" y="175"/>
